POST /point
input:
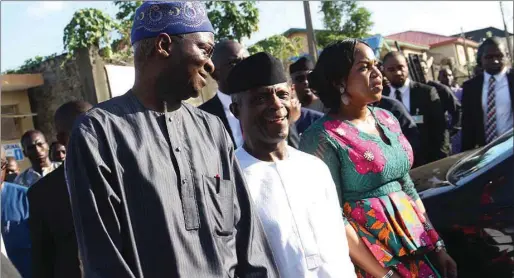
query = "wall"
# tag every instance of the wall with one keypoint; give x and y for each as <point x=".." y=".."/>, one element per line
<point x="121" y="78"/>
<point x="21" y="100"/>
<point x="80" y="78"/>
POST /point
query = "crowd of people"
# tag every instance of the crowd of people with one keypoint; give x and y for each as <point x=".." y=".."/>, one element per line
<point x="298" y="173"/>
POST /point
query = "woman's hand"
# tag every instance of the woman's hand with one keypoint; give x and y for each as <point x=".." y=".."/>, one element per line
<point x="396" y="275"/>
<point x="445" y="264"/>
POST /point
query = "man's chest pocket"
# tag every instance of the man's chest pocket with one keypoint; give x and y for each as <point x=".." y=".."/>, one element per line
<point x="219" y="196"/>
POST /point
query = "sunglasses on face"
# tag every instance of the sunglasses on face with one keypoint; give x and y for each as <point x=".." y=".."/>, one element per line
<point x="300" y="77"/>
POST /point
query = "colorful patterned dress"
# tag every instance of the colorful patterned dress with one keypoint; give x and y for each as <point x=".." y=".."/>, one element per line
<point x="376" y="190"/>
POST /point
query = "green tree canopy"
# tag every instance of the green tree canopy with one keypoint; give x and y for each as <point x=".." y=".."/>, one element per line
<point x="343" y="19"/>
<point x="233" y="20"/>
<point x="279" y="46"/>
<point x="88" y="27"/>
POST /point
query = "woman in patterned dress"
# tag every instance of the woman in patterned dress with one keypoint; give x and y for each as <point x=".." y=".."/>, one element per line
<point x="388" y="231"/>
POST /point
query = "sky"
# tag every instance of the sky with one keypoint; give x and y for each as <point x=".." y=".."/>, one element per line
<point x="32" y="28"/>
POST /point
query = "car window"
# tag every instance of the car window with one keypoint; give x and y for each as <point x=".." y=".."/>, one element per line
<point x="482" y="160"/>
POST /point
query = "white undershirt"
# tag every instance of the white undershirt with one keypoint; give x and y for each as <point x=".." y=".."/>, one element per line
<point x="405" y="91"/>
<point x="502" y="101"/>
<point x="233" y="122"/>
<point x="300" y="214"/>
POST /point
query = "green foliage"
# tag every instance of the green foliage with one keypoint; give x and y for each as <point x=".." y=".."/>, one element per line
<point x="323" y="38"/>
<point x="30" y="64"/>
<point x="345" y="19"/>
<point x="88" y="27"/>
<point x="233" y="20"/>
<point x="279" y="46"/>
<point x="334" y="12"/>
<point x="91" y="27"/>
<point x="125" y="16"/>
<point x="359" y="24"/>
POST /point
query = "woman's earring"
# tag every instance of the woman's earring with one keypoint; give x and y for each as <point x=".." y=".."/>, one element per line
<point x="344" y="96"/>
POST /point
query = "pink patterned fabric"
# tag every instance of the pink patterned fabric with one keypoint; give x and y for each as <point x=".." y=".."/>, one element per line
<point x="366" y="155"/>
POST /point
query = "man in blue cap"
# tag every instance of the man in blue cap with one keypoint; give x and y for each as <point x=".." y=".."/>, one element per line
<point x="155" y="188"/>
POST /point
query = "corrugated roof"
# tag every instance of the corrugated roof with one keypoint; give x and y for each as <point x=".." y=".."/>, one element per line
<point x="428" y="39"/>
<point x="418" y="38"/>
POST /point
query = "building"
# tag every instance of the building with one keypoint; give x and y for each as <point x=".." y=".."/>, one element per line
<point x="457" y="53"/>
<point x="481" y="34"/>
<point x="17" y="116"/>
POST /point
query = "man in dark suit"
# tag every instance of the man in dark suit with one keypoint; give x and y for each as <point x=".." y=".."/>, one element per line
<point x="424" y="105"/>
<point x="407" y="123"/>
<point x="225" y="56"/>
<point x="487" y="99"/>
<point x="451" y="105"/>
<point x="298" y="72"/>
<point x="54" y="245"/>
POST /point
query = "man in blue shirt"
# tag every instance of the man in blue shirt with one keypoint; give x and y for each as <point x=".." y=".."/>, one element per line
<point x="15" y="228"/>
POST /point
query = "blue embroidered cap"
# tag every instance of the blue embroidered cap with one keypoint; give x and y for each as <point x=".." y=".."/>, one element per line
<point x="173" y="18"/>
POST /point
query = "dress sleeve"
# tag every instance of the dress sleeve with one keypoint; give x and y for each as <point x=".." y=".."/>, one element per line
<point x="408" y="187"/>
<point x="96" y="208"/>
<point x="320" y="146"/>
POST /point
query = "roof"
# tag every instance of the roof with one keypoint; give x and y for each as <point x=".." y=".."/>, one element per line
<point x="299" y="30"/>
<point x="390" y="42"/>
<point x="19" y="82"/>
<point x="481" y="34"/>
<point x="427" y="39"/>
<point x="456" y="40"/>
<point x="418" y="38"/>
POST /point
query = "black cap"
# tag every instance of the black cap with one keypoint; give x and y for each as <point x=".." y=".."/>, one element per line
<point x="258" y="70"/>
<point x="303" y="64"/>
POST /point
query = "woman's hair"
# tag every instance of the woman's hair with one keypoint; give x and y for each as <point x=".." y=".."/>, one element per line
<point x="334" y="64"/>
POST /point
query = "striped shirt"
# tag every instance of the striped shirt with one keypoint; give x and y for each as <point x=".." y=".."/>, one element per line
<point x="161" y="195"/>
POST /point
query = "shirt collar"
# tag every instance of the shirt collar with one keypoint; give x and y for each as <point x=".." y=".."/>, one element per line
<point x="225" y="99"/>
<point x="402" y="89"/>
<point x="497" y="77"/>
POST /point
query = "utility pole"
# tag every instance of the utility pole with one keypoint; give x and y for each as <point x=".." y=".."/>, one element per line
<point x="468" y="62"/>
<point x="509" y="46"/>
<point x="311" y="39"/>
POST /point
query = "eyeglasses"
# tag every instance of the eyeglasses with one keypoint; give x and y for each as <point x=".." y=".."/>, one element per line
<point x="300" y="77"/>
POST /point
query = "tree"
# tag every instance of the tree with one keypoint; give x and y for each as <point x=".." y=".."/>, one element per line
<point x="334" y="12"/>
<point x="279" y="46"/>
<point x="125" y="17"/>
<point x="88" y="27"/>
<point x="359" y="24"/>
<point x="344" y="19"/>
<point x="233" y="20"/>
<point x="230" y="20"/>
<point x="323" y="38"/>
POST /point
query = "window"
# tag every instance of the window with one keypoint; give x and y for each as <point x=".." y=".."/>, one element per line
<point x="482" y="160"/>
<point x="471" y="54"/>
<point x="11" y="126"/>
<point x="461" y="55"/>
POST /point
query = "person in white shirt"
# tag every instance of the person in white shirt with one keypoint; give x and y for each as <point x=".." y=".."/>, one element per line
<point x="36" y="149"/>
<point x="487" y="99"/>
<point x="299" y="210"/>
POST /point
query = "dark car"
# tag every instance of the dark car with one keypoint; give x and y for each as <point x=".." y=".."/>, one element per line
<point x="470" y="201"/>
